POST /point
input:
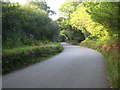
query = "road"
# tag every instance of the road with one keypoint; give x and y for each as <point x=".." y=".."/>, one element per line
<point x="75" y="67"/>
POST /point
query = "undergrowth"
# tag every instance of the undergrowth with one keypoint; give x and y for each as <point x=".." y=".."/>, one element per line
<point x="109" y="48"/>
<point x="16" y="58"/>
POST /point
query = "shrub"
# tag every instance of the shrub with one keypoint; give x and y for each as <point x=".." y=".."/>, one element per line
<point x="110" y="51"/>
<point x="16" y="58"/>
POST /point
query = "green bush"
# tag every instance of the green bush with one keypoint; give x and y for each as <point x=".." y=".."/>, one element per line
<point x="110" y="52"/>
<point x="16" y="58"/>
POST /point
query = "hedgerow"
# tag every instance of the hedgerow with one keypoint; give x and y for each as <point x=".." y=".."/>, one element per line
<point x="16" y="58"/>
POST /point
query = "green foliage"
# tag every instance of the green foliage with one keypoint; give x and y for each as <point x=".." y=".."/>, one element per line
<point x="71" y="34"/>
<point x="111" y="57"/>
<point x="94" y="19"/>
<point x="16" y="58"/>
<point x="25" y="23"/>
<point x="99" y="22"/>
<point x="68" y="7"/>
<point x="105" y="13"/>
<point x="41" y="4"/>
<point x="110" y="51"/>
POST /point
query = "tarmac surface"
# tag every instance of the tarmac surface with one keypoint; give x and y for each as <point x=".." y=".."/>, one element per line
<point x="75" y="67"/>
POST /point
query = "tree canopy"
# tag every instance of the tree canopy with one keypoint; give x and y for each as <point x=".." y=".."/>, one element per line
<point x="25" y="23"/>
<point x="94" y="19"/>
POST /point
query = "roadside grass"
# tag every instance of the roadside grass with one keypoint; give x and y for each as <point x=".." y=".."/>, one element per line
<point x="112" y="66"/>
<point x="13" y="59"/>
<point x="36" y="60"/>
<point x="110" y="52"/>
<point x="26" y="47"/>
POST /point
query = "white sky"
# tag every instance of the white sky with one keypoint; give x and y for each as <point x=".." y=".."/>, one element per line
<point x="54" y="5"/>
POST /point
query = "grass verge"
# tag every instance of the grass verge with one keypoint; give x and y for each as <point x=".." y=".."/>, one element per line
<point x="16" y="58"/>
<point x="36" y="60"/>
<point x="110" y="52"/>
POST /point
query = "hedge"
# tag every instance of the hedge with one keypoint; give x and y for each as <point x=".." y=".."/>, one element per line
<point x="16" y="58"/>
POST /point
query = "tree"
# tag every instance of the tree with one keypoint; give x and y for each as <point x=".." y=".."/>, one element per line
<point x="95" y="19"/>
<point x="41" y="4"/>
<point x="67" y="8"/>
<point x="23" y="24"/>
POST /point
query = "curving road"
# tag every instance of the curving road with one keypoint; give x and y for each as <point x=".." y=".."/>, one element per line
<point x="75" y="67"/>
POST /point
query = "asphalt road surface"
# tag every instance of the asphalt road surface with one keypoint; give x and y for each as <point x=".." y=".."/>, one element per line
<point x="75" y="67"/>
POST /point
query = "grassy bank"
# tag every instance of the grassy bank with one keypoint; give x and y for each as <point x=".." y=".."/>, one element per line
<point x="110" y="52"/>
<point x="13" y="59"/>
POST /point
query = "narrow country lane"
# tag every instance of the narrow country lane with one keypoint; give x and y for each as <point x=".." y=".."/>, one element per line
<point x="75" y="67"/>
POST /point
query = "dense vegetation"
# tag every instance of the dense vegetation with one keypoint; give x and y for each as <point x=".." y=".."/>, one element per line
<point x="97" y="23"/>
<point x="90" y="24"/>
<point x="28" y="35"/>
<point x="70" y="33"/>
<point x="23" y="24"/>
<point x="20" y="57"/>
